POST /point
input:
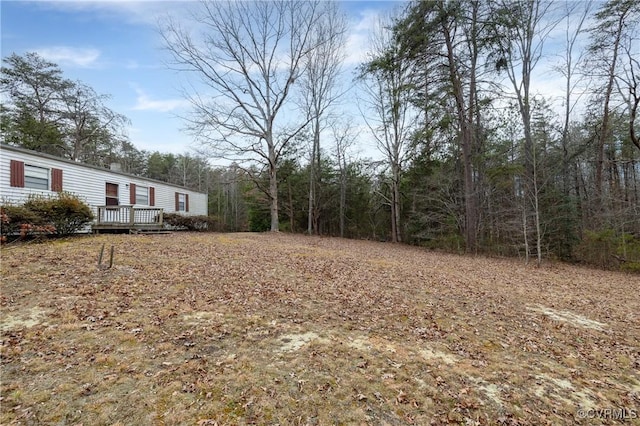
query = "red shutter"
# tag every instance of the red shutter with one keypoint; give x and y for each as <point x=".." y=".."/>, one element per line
<point x="17" y="174"/>
<point x="186" y="202"/>
<point x="152" y="196"/>
<point x="56" y="180"/>
<point x="132" y="193"/>
<point x="177" y="201"/>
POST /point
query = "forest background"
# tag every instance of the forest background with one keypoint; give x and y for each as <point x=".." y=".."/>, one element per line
<point x="437" y="138"/>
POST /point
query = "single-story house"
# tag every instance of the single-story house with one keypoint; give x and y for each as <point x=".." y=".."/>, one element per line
<point x="119" y="200"/>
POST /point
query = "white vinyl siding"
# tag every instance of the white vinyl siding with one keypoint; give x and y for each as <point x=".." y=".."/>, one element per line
<point x="89" y="183"/>
<point x="36" y="177"/>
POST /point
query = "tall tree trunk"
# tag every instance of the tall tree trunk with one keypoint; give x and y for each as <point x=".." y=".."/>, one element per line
<point x="466" y="141"/>
<point x="395" y="205"/>
<point x="312" y="181"/>
<point x="474" y="127"/>
<point x="343" y="195"/>
<point x="291" y="215"/>
<point x="314" y="172"/>
<point x="273" y="188"/>
<point x="525" y="230"/>
<point x="604" y="127"/>
<point x="535" y="189"/>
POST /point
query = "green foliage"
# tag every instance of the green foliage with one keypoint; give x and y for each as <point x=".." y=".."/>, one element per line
<point x="46" y="112"/>
<point x="66" y="212"/>
<point x="597" y="248"/>
<point x="159" y="165"/>
<point x="632" y="267"/>
<point x="608" y="249"/>
<point x="293" y="193"/>
<point x="199" y="223"/>
<point x="259" y="218"/>
<point x="560" y="222"/>
<point x="629" y="252"/>
<point x="24" y="130"/>
<point x="257" y="203"/>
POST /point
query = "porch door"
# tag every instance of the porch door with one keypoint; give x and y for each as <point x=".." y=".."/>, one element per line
<point x="111" y="191"/>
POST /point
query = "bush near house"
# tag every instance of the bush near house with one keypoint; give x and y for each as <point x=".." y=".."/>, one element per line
<point x="62" y="215"/>
<point x="191" y="223"/>
<point x="14" y="216"/>
<point x="21" y="222"/>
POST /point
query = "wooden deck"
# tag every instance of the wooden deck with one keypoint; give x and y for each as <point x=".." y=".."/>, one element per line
<point x="128" y="218"/>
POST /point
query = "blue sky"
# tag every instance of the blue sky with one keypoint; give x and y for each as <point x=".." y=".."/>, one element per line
<point x="114" y="47"/>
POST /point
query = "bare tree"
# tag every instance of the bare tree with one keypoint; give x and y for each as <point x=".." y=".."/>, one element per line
<point x="320" y="90"/>
<point x="628" y="84"/>
<point x="387" y="87"/>
<point x="575" y="15"/>
<point x="344" y="138"/>
<point x="246" y="59"/>
<point x="614" y="21"/>
<point x="524" y="27"/>
<point x="87" y="118"/>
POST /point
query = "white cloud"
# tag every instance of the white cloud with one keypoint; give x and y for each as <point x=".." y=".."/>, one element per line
<point x="145" y="103"/>
<point x="364" y="24"/>
<point x="146" y="12"/>
<point x="357" y="45"/>
<point x="73" y="56"/>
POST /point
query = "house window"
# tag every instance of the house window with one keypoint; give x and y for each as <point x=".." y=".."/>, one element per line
<point x="142" y="195"/>
<point x="36" y="177"/>
<point x="29" y="176"/>
<point x="182" y="202"/>
<point x="111" y="191"/>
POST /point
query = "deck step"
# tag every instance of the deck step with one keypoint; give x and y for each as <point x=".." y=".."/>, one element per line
<point x="149" y="231"/>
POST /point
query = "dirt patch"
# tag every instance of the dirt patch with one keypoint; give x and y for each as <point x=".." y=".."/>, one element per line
<point x="360" y="343"/>
<point x="197" y="318"/>
<point x="431" y="354"/>
<point x="293" y="342"/>
<point x="564" y="390"/>
<point x="492" y="392"/>
<point x="26" y="319"/>
<point x="367" y="344"/>
<point x="569" y="317"/>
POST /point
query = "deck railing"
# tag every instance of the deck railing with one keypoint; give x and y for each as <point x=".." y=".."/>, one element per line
<point x="129" y="215"/>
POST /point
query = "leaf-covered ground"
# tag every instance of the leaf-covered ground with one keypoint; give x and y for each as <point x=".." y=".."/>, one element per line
<point x="209" y="329"/>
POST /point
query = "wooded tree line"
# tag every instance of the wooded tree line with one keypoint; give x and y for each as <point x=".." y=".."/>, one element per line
<point x="44" y="111"/>
<point x="472" y="158"/>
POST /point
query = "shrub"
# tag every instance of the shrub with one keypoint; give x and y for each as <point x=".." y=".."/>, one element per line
<point x="14" y="215"/>
<point x="66" y="212"/>
<point x="20" y="222"/>
<point x="191" y="223"/>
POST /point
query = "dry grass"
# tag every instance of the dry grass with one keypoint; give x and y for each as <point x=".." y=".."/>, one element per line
<point x="280" y="329"/>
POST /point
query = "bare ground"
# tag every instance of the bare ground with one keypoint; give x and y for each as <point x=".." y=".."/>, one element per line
<point x="213" y="329"/>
